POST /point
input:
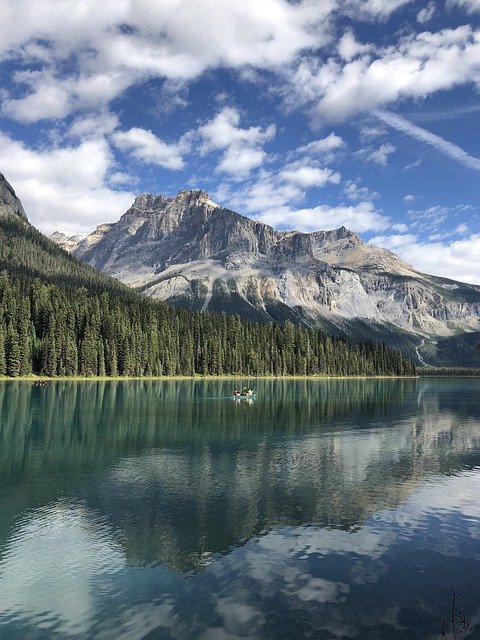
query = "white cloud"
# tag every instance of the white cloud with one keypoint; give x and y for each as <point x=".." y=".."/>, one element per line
<point x="172" y="39"/>
<point x="84" y="58"/>
<point x="147" y="147"/>
<point x="361" y="218"/>
<point x="457" y="260"/>
<point x="409" y="197"/>
<point x="308" y="176"/>
<point x="64" y="188"/>
<point x="369" y="132"/>
<point x="348" y="48"/>
<point x="412" y="165"/>
<point x="263" y="193"/>
<point x="444" y="146"/>
<point x="94" y="125"/>
<point x="323" y="147"/>
<point x="380" y="155"/>
<point x="367" y="9"/>
<point x="354" y="191"/>
<point x="243" y="148"/>
<point x="239" y="161"/>
<point x="416" y="67"/>
<point x="53" y="96"/>
<point x="223" y="131"/>
<point x="394" y="242"/>
<point x="119" y="177"/>
<point x="471" y="6"/>
<point x="276" y="197"/>
<point x="49" y="98"/>
<point x="426" y="14"/>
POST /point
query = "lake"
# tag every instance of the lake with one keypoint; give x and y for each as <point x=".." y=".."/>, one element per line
<point x="334" y="509"/>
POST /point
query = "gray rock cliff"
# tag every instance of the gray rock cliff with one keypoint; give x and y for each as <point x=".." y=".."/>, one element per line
<point x="9" y="202"/>
<point x="194" y="253"/>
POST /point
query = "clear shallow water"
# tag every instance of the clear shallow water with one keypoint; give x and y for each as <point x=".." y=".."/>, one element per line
<point x="331" y="509"/>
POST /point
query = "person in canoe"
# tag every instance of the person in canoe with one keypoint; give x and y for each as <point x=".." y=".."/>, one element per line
<point x="247" y="391"/>
<point x="236" y="392"/>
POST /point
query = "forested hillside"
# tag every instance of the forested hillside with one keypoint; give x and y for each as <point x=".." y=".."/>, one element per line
<point x="59" y="316"/>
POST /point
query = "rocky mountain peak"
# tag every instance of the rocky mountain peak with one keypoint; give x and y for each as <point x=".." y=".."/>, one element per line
<point x="150" y="202"/>
<point x="343" y="232"/>
<point x="193" y="197"/>
<point x="192" y="252"/>
<point x="9" y="202"/>
<point x="146" y="202"/>
<point x="69" y="243"/>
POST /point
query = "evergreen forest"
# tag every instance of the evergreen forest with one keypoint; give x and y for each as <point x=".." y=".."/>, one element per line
<point x="61" y="317"/>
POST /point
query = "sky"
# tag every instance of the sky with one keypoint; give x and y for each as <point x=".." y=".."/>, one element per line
<point x="304" y="114"/>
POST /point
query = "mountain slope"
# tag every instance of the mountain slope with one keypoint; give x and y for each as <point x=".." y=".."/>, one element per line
<point x="59" y="316"/>
<point x="193" y="253"/>
<point x="10" y="205"/>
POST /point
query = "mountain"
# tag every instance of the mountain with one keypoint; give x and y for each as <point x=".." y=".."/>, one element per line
<point x="61" y="316"/>
<point x="10" y="204"/>
<point x="193" y="253"/>
<point x="66" y="242"/>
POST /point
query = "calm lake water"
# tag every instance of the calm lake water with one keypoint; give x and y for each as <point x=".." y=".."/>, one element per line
<point x="321" y="509"/>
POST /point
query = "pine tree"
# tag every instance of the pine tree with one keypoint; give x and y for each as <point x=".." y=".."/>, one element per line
<point x="3" y="361"/>
<point x="12" y="352"/>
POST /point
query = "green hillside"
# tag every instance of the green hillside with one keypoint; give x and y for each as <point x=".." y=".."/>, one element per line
<point x="59" y="316"/>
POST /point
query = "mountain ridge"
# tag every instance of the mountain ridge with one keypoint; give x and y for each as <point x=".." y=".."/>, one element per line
<point x="60" y="316"/>
<point x="191" y="252"/>
<point x="9" y="201"/>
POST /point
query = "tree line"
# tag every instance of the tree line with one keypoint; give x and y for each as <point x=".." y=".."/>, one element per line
<point x="61" y="317"/>
<point x="56" y="331"/>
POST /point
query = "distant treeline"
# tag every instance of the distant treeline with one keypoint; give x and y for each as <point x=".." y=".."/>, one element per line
<point x="59" y="316"/>
<point x="448" y="371"/>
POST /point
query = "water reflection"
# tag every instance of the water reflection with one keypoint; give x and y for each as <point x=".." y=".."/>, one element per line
<point x="334" y="508"/>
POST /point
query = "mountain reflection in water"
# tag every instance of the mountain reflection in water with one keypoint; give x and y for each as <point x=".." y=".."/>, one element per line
<point x="165" y="509"/>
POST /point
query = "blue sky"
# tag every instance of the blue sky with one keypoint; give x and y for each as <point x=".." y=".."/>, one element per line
<point x="306" y="115"/>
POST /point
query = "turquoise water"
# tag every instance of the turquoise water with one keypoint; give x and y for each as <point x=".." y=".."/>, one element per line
<point x="320" y="509"/>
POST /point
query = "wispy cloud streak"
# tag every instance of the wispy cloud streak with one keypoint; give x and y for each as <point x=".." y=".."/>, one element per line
<point x="444" y="146"/>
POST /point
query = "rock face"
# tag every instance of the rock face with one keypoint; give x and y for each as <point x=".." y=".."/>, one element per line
<point x="78" y="244"/>
<point x="69" y="243"/>
<point x="9" y="202"/>
<point x="194" y="253"/>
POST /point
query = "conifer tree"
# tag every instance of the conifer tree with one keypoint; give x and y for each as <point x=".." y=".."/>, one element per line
<point x="12" y="352"/>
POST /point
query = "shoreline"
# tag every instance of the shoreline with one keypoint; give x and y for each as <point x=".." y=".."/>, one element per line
<point x="35" y="378"/>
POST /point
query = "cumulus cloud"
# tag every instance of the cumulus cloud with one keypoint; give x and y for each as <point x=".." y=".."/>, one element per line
<point x="94" y="125"/>
<point x="457" y="260"/>
<point x="426" y="14"/>
<point x="65" y="188"/>
<point x="276" y="199"/>
<point x="380" y="155"/>
<point x="242" y="148"/>
<point x="51" y="96"/>
<point x="145" y="146"/>
<point x="308" y="176"/>
<point x="367" y="9"/>
<point x="84" y="59"/>
<point x="415" y="67"/>
<point x="471" y="6"/>
<point x="325" y="148"/>
<point x="348" y="48"/>
<point x="354" y="191"/>
<point x="121" y="43"/>
<point x="361" y="217"/>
